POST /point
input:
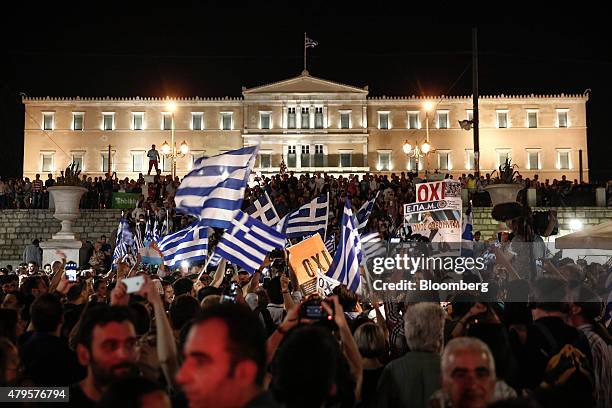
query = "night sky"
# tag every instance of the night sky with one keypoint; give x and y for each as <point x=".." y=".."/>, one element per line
<point x="212" y="49"/>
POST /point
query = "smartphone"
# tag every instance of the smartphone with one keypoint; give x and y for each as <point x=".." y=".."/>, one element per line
<point x="71" y="271"/>
<point x="134" y="284"/>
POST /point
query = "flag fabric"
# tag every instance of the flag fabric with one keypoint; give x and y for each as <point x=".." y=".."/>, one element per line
<point x="213" y="191"/>
<point x="189" y="244"/>
<point x="347" y="259"/>
<point x="248" y="241"/>
<point x="373" y="245"/>
<point x="155" y="235"/>
<point x="215" y="258"/>
<point x="306" y="220"/>
<point x="330" y="244"/>
<point x="310" y="43"/>
<point x="138" y="238"/>
<point x="467" y="238"/>
<point x="148" y="229"/>
<point x="364" y="212"/>
<point x="124" y="244"/>
<point x="263" y="209"/>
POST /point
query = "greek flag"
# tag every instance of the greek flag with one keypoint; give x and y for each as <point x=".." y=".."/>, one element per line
<point x="364" y="212"/>
<point x="306" y="220"/>
<point x="373" y="246"/>
<point x="124" y="244"/>
<point x="264" y="210"/>
<point x="467" y="238"/>
<point x="215" y="258"/>
<point x="148" y="229"/>
<point x="248" y="241"/>
<point x="189" y="244"/>
<point x="310" y="43"/>
<point x="330" y="244"/>
<point x="155" y="234"/>
<point x="214" y="189"/>
<point x="345" y="265"/>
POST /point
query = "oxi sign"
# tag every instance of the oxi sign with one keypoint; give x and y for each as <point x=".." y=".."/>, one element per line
<point x="437" y="190"/>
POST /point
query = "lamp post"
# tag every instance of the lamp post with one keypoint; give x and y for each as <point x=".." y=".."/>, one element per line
<point x="425" y="148"/>
<point x="170" y="150"/>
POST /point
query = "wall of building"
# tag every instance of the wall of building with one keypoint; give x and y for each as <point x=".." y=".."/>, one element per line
<point x="20" y="227"/>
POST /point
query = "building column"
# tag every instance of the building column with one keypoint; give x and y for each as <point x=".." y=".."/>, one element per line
<point x="364" y="120"/>
<point x="284" y="119"/>
<point x="311" y="115"/>
<point x="325" y="118"/>
<point x="298" y="116"/>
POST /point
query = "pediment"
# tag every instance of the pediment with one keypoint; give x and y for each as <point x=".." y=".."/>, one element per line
<point x="304" y="84"/>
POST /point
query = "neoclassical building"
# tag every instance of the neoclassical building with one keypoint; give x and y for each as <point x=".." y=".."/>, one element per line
<point x="313" y="125"/>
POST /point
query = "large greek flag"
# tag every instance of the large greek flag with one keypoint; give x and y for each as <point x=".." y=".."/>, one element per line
<point x="189" y="244"/>
<point x="306" y="220"/>
<point x="364" y="212"/>
<point x="214" y="189"/>
<point x="345" y="265"/>
<point x="247" y="242"/>
<point x="124" y="244"/>
<point x="264" y="210"/>
<point x="467" y="238"/>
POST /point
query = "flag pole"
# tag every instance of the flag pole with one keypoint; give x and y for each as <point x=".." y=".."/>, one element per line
<point x="304" y="51"/>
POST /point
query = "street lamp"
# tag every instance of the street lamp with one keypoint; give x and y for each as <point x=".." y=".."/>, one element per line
<point x="171" y="150"/>
<point x="417" y="151"/>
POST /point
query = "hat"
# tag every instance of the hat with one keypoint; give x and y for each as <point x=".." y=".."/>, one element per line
<point x="242" y="271"/>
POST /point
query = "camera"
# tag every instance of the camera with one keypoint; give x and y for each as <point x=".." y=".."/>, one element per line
<point x="230" y="297"/>
<point x="312" y="309"/>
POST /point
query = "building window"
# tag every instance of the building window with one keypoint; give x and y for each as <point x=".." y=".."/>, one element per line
<point x="319" y="158"/>
<point x="108" y="121"/>
<point x="265" y="160"/>
<point x="197" y="121"/>
<point x="166" y="121"/>
<point x="166" y="164"/>
<point x="305" y="119"/>
<point x="564" y="160"/>
<point x="502" y="119"/>
<point x="137" y="161"/>
<point x="346" y="159"/>
<point x="77" y="120"/>
<point x="562" y="118"/>
<point x="444" y="161"/>
<point x="46" y="162"/>
<point x="48" y="119"/>
<point x="291" y="157"/>
<point x="533" y="159"/>
<point x="442" y="119"/>
<point x="226" y="121"/>
<point x="77" y="158"/>
<point x="137" y="120"/>
<point x="305" y="159"/>
<point x="345" y="120"/>
<point x="264" y="120"/>
<point x="384" y="161"/>
<point x="319" y="118"/>
<point x="414" y="120"/>
<point x="502" y="156"/>
<point x="290" y="118"/>
<point x="532" y="118"/>
<point x="383" y="120"/>
<point x="469" y="113"/>
<point x="470" y="164"/>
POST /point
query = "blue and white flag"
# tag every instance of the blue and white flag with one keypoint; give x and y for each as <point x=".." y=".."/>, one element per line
<point x="215" y="258"/>
<point x="467" y="238"/>
<point x="330" y="244"/>
<point x="124" y="245"/>
<point x="306" y="220"/>
<point x="149" y="229"/>
<point x="189" y="244"/>
<point x="213" y="191"/>
<point x="373" y="246"/>
<point x="347" y="259"/>
<point x="309" y="42"/>
<point x="364" y="212"/>
<point x="248" y="241"/>
<point x="263" y="209"/>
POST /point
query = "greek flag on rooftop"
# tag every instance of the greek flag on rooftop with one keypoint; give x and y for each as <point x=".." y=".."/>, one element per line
<point x="306" y="220"/>
<point x="264" y="210"/>
<point x="248" y="241"/>
<point x="214" y="189"/>
<point x="364" y="212"/>
<point x="125" y="240"/>
<point x="189" y="244"/>
<point x="345" y="265"/>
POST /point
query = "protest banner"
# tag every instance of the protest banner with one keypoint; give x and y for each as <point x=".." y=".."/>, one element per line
<point x="438" y="221"/>
<point x="125" y="200"/>
<point x="438" y="190"/>
<point x="308" y="258"/>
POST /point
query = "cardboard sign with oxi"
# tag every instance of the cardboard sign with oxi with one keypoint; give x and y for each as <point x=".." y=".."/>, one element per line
<point x="306" y="259"/>
<point x="437" y="190"/>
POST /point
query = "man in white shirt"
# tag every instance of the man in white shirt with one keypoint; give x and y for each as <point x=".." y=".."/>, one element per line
<point x="153" y="156"/>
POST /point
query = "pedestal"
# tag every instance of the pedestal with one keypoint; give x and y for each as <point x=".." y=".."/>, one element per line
<point x="69" y="247"/>
<point x="600" y="196"/>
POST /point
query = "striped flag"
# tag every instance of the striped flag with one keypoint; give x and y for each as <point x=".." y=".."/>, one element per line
<point x="373" y="246"/>
<point x="467" y="238"/>
<point x="215" y="258"/>
<point x="189" y="244"/>
<point x="263" y="209"/>
<point x="214" y="189"/>
<point x="124" y="244"/>
<point x="330" y="244"/>
<point x="345" y="265"/>
<point x="364" y="212"/>
<point x="248" y="241"/>
<point x="138" y="238"/>
<point x="306" y="220"/>
<point x="310" y="43"/>
<point x="148" y="229"/>
<point x="155" y="235"/>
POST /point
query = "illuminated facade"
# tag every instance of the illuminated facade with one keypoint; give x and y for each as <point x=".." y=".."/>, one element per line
<point x="313" y="125"/>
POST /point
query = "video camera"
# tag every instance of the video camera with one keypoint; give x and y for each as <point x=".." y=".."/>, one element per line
<point x="312" y="309"/>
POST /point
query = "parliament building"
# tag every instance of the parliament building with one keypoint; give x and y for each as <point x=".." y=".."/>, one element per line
<point x="310" y="124"/>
